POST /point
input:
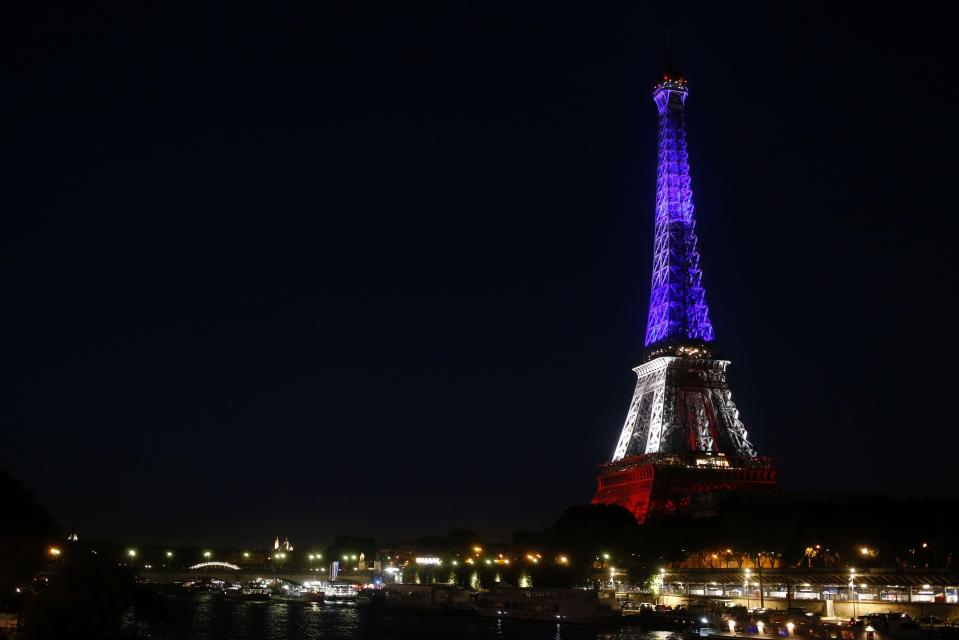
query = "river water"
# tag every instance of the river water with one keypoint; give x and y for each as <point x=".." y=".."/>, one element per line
<point x="206" y="617"/>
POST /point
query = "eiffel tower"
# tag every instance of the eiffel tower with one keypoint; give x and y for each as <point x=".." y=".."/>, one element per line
<point x="683" y="444"/>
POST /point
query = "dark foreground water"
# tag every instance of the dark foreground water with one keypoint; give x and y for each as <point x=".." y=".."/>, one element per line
<point x="207" y="617"/>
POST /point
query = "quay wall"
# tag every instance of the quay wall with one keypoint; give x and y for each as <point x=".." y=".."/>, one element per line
<point x="840" y="608"/>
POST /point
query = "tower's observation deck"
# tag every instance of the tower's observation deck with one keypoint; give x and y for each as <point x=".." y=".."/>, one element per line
<point x="683" y="441"/>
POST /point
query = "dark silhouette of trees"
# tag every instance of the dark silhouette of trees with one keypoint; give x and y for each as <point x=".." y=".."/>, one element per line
<point x="25" y="532"/>
<point x="350" y="545"/>
<point x="86" y="598"/>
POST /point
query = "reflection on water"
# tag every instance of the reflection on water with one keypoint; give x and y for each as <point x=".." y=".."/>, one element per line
<point x="206" y="617"/>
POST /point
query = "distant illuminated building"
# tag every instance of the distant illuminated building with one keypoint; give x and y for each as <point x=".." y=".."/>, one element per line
<point x="683" y="442"/>
<point x="285" y="546"/>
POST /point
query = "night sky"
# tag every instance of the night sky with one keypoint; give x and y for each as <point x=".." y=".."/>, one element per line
<point x="308" y="268"/>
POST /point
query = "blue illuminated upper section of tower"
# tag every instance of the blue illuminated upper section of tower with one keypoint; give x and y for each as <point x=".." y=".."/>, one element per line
<point x="677" y="304"/>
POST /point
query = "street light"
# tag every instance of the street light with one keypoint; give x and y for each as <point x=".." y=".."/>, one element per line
<point x="132" y="553"/>
<point x="54" y="551"/>
<point x="207" y="554"/>
<point x="169" y="554"/>
<point x="852" y="591"/>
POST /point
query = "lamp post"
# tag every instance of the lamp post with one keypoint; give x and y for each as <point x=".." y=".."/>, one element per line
<point x="852" y="591"/>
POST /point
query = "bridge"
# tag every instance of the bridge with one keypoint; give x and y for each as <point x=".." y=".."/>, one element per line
<point x="229" y="573"/>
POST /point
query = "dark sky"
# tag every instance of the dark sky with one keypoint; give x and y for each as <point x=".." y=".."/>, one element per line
<point x="308" y="268"/>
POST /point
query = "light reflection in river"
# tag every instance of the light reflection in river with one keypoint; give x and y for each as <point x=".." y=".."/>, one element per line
<point x="206" y="617"/>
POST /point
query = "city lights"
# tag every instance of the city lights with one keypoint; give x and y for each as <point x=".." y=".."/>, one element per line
<point x="54" y="551"/>
<point x="132" y="553"/>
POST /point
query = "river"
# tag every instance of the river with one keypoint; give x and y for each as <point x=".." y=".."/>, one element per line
<point x="205" y="617"/>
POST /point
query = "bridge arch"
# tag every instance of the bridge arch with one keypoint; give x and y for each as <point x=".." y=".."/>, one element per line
<point x="215" y="565"/>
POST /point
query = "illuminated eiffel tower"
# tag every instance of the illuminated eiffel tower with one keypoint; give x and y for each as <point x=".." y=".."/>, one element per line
<point x="683" y="443"/>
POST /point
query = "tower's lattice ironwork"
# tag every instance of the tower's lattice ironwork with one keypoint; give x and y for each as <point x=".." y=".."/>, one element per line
<point x="677" y="301"/>
<point x="683" y="442"/>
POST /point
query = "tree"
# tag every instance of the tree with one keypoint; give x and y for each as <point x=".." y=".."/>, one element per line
<point x="25" y="532"/>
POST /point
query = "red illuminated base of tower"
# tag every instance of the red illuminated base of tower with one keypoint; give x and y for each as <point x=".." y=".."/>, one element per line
<point x="654" y="485"/>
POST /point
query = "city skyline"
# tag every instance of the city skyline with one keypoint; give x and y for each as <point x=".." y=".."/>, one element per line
<point x="267" y="277"/>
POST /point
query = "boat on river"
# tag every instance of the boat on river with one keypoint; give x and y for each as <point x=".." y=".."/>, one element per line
<point x="249" y="591"/>
<point x="340" y="591"/>
<point x="587" y="606"/>
<point x="428" y="597"/>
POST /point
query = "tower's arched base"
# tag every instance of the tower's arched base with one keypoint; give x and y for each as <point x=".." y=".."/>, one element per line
<point x="655" y="484"/>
